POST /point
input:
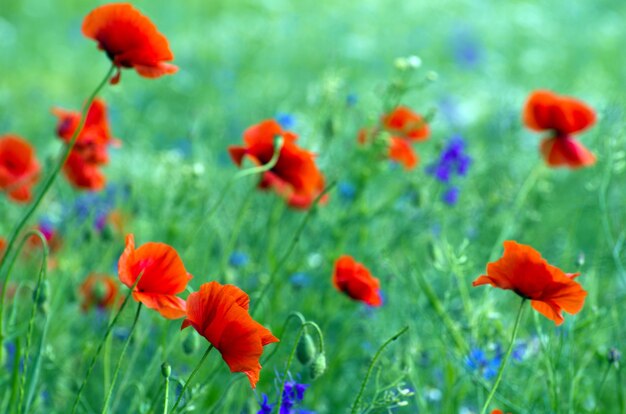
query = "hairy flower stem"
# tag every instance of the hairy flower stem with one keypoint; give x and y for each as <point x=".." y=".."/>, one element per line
<point x="92" y="363"/>
<point x="505" y="359"/>
<point x="193" y="373"/>
<point x="121" y="358"/>
<point x="357" y="400"/>
<point x="36" y="297"/>
<point x="55" y="172"/>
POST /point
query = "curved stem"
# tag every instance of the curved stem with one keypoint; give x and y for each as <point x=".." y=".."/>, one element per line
<point x="297" y="315"/>
<point x="294" y="241"/>
<point x="357" y="400"/>
<point x="121" y="358"/>
<point x="92" y="363"/>
<point x="55" y="171"/>
<point x="182" y="392"/>
<point x="320" y="335"/>
<point x="281" y="390"/>
<point x="505" y="359"/>
<point x="36" y="298"/>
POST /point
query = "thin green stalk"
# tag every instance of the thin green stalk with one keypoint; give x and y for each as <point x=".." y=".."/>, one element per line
<point x="292" y="245"/>
<point x="292" y="315"/>
<point x="92" y="363"/>
<point x="7" y="277"/>
<point x="505" y="359"/>
<point x="16" y="372"/>
<point x="55" y="172"/>
<point x="601" y="387"/>
<point x="289" y="361"/>
<point x="357" y="400"/>
<point x="620" y="390"/>
<point x="121" y="358"/>
<point x="235" y="230"/>
<point x="182" y="392"/>
<point x="522" y="195"/>
<point x="167" y="394"/>
<point x="42" y="276"/>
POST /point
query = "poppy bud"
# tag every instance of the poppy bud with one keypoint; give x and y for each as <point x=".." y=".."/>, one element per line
<point x="166" y="370"/>
<point x="318" y="367"/>
<point x="306" y="349"/>
<point x="191" y="343"/>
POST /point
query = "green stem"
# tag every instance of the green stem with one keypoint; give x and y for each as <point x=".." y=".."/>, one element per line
<point x="357" y="400"/>
<point x="167" y="394"/>
<point x="289" y="361"/>
<point x="522" y="195"/>
<point x="292" y="315"/>
<point x="599" y="394"/>
<point x="92" y="363"/>
<point x="7" y="276"/>
<point x="182" y="392"/>
<point x="294" y="241"/>
<point x="121" y="358"/>
<point x="55" y="172"/>
<point x="31" y="321"/>
<point x="505" y="359"/>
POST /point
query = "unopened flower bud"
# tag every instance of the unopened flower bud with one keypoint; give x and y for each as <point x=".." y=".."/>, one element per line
<point x="318" y="367"/>
<point x="191" y="343"/>
<point x="306" y="349"/>
<point x="166" y="370"/>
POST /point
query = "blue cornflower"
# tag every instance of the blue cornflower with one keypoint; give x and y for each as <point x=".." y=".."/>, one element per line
<point x="466" y="48"/>
<point x="300" y="280"/>
<point x="347" y="190"/>
<point x="487" y="367"/>
<point x="266" y="407"/>
<point x="451" y="195"/>
<point x="352" y="99"/>
<point x="238" y="259"/>
<point x="286" y="121"/>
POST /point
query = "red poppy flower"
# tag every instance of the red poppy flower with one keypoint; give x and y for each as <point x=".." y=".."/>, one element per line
<point x="404" y="127"/>
<point x="163" y="276"/>
<point x="295" y="176"/>
<point x="220" y="314"/>
<point x="19" y="169"/>
<point x="404" y="123"/>
<point x="3" y="246"/>
<point x="562" y="116"/>
<point x="356" y="281"/>
<point x="89" y="153"/>
<point x="99" y="290"/>
<point x="523" y="270"/>
<point x="130" y="40"/>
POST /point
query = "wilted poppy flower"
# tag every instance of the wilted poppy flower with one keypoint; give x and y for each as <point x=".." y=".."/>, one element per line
<point x="404" y="127"/>
<point x="523" y="270"/>
<point x="163" y="276"/>
<point x="295" y="176"/>
<point x="130" y="40"/>
<point x="356" y="281"/>
<point x="220" y="314"/>
<point x="89" y="152"/>
<point x="562" y="117"/>
<point x="19" y="169"/>
<point x="100" y="291"/>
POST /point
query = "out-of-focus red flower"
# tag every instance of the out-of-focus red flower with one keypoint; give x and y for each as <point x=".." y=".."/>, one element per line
<point x="220" y="314"/>
<point x="163" y="276"/>
<point x="562" y="117"/>
<point x="402" y="122"/>
<point x="522" y="270"/>
<point x="101" y="291"/>
<point x="3" y="246"/>
<point x="19" y="169"/>
<point x="130" y="40"/>
<point x="295" y="176"/>
<point x="356" y="281"/>
<point x="89" y="153"/>
<point x="404" y="127"/>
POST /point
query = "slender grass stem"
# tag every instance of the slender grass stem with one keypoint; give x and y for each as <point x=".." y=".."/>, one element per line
<point x="119" y="361"/>
<point x="92" y="363"/>
<point x="289" y="361"/>
<point x="36" y="297"/>
<point x="357" y="400"/>
<point x="55" y="171"/>
<point x="505" y="359"/>
<point x="292" y="245"/>
<point x="193" y="373"/>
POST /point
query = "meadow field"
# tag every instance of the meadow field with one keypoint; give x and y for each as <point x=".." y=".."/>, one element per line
<point x="192" y="190"/>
